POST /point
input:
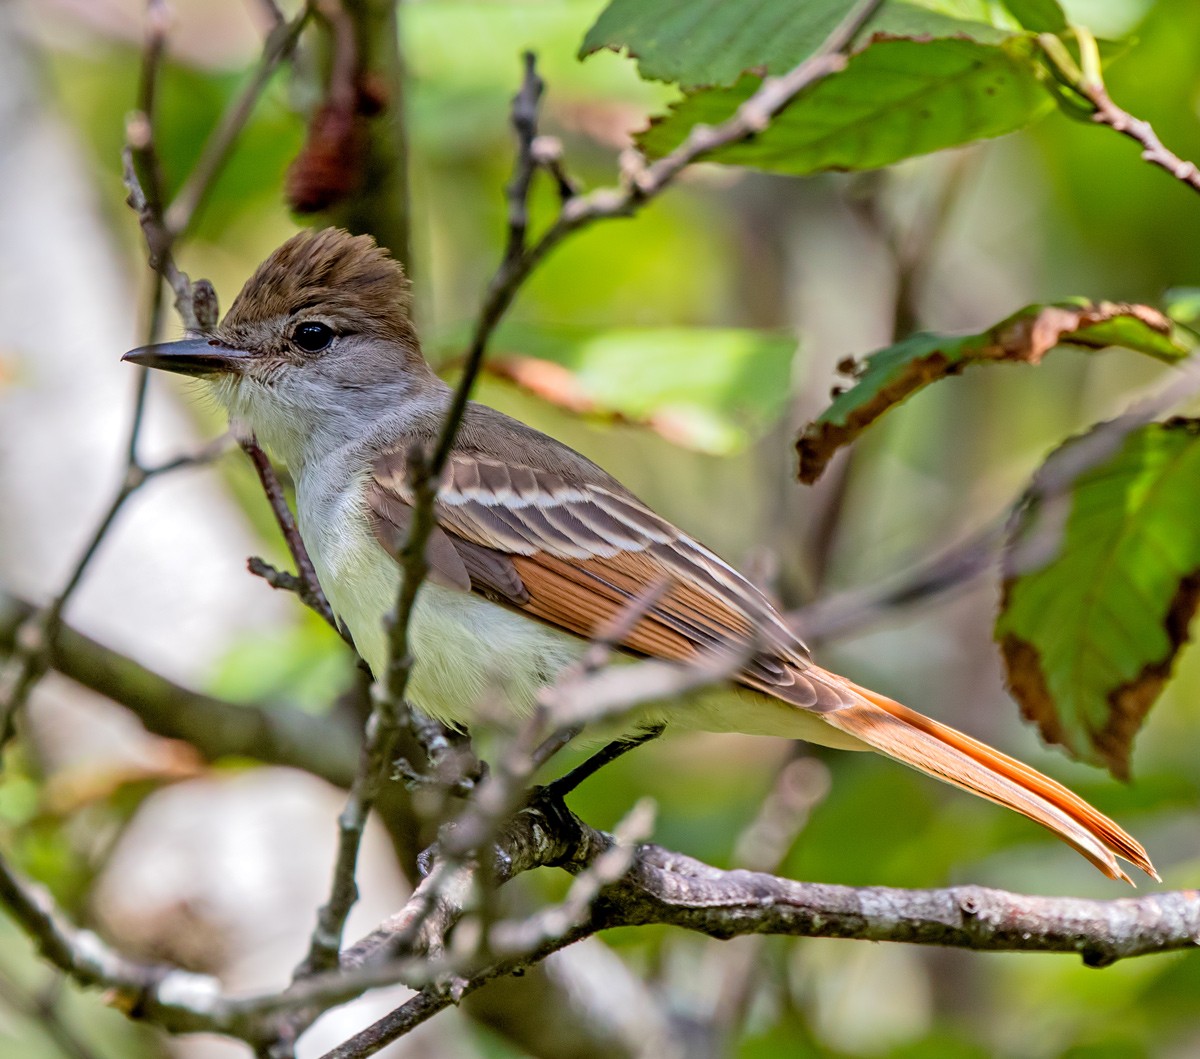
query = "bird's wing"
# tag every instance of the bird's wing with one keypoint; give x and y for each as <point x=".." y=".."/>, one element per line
<point x="580" y="554"/>
<point x="577" y="551"/>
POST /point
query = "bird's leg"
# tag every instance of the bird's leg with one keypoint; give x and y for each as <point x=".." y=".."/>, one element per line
<point x="549" y="799"/>
<point x="564" y="785"/>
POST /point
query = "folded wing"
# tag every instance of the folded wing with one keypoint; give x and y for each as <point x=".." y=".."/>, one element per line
<point x="572" y="548"/>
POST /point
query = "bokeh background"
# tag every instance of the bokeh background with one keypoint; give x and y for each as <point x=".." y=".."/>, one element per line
<point x="221" y="866"/>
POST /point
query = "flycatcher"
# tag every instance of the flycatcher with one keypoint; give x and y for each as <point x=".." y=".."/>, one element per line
<point x="536" y="548"/>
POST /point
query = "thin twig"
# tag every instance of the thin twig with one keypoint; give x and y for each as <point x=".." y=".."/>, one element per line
<point x="547" y="154"/>
<point x="376" y="762"/>
<point x="1153" y="150"/>
<point x="143" y="180"/>
<point x="525" y="122"/>
<point x="304" y="583"/>
<point x="389" y="709"/>
<point x="273" y="12"/>
<point x="645" y="183"/>
<point x="189" y="200"/>
<point x="849" y="612"/>
<point x="1085" y="89"/>
<point x="158" y="240"/>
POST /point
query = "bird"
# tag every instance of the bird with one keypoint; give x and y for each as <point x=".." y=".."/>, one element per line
<point x="535" y="548"/>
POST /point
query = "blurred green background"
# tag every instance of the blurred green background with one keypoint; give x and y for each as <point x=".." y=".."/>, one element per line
<point x="1062" y="209"/>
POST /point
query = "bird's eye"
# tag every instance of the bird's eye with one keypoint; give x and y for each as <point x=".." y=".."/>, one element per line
<point x="313" y="337"/>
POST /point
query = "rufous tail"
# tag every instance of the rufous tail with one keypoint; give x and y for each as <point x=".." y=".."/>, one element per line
<point x="949" y="755"/>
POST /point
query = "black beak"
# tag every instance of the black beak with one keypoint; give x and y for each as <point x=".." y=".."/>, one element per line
<point x="191" y="356"/>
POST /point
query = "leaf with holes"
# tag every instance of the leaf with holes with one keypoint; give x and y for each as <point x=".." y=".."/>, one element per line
<point x="1090" y="626"/>
<point x="891" y="375"/>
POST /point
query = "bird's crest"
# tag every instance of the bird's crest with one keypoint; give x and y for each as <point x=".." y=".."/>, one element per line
<point x="347" y="280"/>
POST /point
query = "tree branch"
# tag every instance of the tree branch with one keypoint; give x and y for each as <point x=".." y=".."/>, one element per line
<point x="663" y="887"/>
<point x="658" y="887"/>
<point x="189" y="200"/>
<point x="1083" y="89"/>
<point x="216" y="728"/>
<point x="304" y="583"/>
<point x="196" y="305"/>
<point x="845" y="613"/>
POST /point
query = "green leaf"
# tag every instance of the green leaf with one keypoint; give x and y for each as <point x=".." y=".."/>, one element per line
<point x="896" y="99"/>
<point x="1038" y="16"/>
<point x="1096" y="608"/>
<point x="696" y="42"/>
<point x="891" y="375"/>
<point x="711" y="389"/>
<point x="711" y="42"/>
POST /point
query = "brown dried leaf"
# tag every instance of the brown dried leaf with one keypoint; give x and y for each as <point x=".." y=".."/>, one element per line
<point x="891" y="375"/>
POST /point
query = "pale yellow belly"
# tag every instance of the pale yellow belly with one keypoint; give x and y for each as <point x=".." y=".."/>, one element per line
<point x="469" y="652"/>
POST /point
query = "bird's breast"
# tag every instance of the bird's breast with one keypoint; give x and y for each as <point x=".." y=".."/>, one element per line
<point x="466" y="649"/>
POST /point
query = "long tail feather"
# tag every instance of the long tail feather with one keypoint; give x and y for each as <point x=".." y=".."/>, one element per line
<point x="947" y="754"/>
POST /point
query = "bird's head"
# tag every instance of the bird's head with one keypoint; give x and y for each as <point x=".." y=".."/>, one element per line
<point x="318" y="342"/>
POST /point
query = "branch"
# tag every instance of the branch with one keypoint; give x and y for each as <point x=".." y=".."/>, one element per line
<point x="642" y="184"/>
<point x="277" y="48"/>
<point x="846" y="613"/>
<point x="304" y="583"/>
<point x="173" y="998"/>
<point x="1085" y="89"/>
<point x="659" y="887"/>
<point x="35" y="640"/>
<point x="36" y="637"/>
<point x="216" y="728"/>
<point x="662" y="887"/>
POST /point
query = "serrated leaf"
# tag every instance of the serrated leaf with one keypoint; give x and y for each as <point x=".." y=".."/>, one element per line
<point x="895" y="99"/>
<point x="712" y="42"/>
<point x="1090" y="634"/>
<point x="891" y="375"/>
<point x="695" y="42"/>
<point x="710" y="389"/>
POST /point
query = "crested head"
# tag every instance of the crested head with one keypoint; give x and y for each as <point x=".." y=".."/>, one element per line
<point x="317" y="351"/>
<point x="348" y="282"/>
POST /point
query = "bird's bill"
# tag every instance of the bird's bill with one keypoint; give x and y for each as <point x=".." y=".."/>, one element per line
<point x="190" y="356"/>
